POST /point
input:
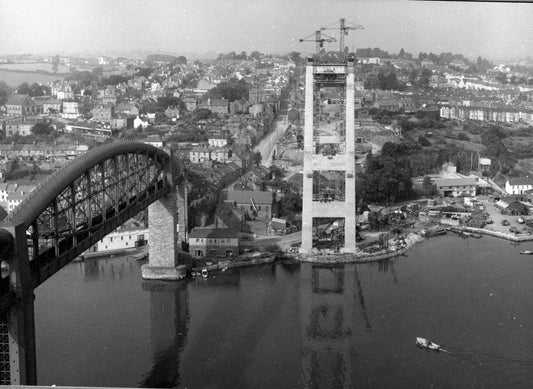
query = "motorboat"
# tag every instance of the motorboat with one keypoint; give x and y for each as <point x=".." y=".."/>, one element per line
<point x="527" y="252"/>
<point x="427" y="344"/>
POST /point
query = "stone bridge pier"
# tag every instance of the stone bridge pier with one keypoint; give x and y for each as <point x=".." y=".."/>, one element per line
<point x="167" y="223"/>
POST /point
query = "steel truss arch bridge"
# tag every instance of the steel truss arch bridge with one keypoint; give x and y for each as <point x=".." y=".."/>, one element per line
<point x="63" y="217"/>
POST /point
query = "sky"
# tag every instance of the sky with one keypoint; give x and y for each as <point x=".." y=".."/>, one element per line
<point x="488" y="29"/>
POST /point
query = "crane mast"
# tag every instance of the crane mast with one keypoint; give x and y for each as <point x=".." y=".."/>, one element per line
<point x="344" y="28"/>
<point x="319" y="39"/>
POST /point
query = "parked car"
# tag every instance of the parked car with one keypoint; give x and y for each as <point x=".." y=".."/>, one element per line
<point x="514" y="230"/>
<point x="520" y="220"/>
<point x="505" y="222"/>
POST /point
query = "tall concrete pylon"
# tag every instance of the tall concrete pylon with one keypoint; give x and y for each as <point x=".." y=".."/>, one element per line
<point x="317" y="76"/>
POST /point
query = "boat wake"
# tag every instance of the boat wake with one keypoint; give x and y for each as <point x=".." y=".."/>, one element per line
<point x="483" y="358"/>
<point x="471" y="355"/>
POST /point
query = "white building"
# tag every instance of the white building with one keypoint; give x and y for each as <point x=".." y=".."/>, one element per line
<point x="140" y="122"/>
<point x="122" y="239"/>
<point x="518" y="185"/>
<point x="70" y="110"/>
<point x="217" y="142"/>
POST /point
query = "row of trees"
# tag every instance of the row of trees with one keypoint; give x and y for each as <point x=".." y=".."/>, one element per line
<point x="231" y="90"/>
<point x="385" y="80"/>
<point x="33" y="90"/>
<point x="166" y="58"/>
<point x="439" y="59"/>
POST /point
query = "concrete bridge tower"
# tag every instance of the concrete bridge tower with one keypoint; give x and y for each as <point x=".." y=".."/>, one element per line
<point x="329" y="150"/>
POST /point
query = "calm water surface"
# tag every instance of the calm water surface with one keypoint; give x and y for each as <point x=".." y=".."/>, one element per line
<point x="290" y="326"/>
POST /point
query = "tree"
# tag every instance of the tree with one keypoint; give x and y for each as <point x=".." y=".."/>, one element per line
<point x="423" y="141"/>
<point x="55" y="63"/>
<point x="144" y="72"/>
<point x="423" y="81"/>
<point x="413" y="77"/>
<point x="258" y="158"/>
<point x="169" y="101"/>
<point x="5" y="91"/>
<point x="428" y="187"/>
<point x="242" y="55"/>
<point x="294" y="56"/>
<point x="114" y="79"/>
<point x="501" y="77"/>
<point x="24" y="89"/>
<point x="371" y="81"/>
<point x="202" y="114"/>
<point x="276" y="172"/>
<point x="388" y="81"/>
<point x="401" y="54"/>
<point x="40" y="129"/>
<point x="230" y="90"/>
<point x="98" y="72"/>
<point x="39" y="90"/>
<point x="290" y="204"/>
<point x="256" y="55"/>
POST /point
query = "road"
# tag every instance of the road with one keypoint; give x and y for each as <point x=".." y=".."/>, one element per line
<point x="266" y="146"/>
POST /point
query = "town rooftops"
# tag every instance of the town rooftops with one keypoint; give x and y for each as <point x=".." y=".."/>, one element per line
<point x="210" y="232"/>
<point x="245" y="196"/>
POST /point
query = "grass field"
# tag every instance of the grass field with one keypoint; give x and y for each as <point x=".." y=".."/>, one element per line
<point x="14" y="79"/>
<point x="33" y="67"/>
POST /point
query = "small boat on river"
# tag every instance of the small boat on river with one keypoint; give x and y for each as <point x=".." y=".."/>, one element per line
<point x="428" y="344"/>
<point x="527" y="252"/>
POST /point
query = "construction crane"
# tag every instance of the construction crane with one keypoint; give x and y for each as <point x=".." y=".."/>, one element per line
<point x="319" y="38"/>
<point x="343" y="28"/>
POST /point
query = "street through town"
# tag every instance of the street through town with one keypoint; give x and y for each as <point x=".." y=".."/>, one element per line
<point x="266" y="146"/>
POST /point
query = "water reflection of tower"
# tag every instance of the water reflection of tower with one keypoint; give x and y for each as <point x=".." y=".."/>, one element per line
<point x="169" y="322"/>
<point x="328" y="328"/>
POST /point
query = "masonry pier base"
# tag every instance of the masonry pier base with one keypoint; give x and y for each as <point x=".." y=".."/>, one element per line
<point x="164" y="273"/>
<point x="163" y="261"/>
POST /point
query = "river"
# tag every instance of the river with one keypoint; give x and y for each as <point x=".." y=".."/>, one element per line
<point x="296" y="325"/>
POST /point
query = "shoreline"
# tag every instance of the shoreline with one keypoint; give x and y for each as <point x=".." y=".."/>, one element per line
<point x="358" y="257"/>
<point x="412" y="239"/>
<point x="328" y="258"/>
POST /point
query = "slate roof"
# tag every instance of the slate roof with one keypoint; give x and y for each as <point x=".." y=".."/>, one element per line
<point x="208" y="232"/>
<point x="244" y="196"/>
<point x="16" y="99"/>
<point x="455" y="181"/>
<point x="521" y="181"/>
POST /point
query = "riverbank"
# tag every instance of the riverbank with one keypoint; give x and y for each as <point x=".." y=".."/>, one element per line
<point x="240" y="261"/>
<point x="397" y="248"/>
<point x="137" y="253"/>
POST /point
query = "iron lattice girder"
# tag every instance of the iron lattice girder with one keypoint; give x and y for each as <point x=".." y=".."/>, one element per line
<point x="91" y="197"/>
